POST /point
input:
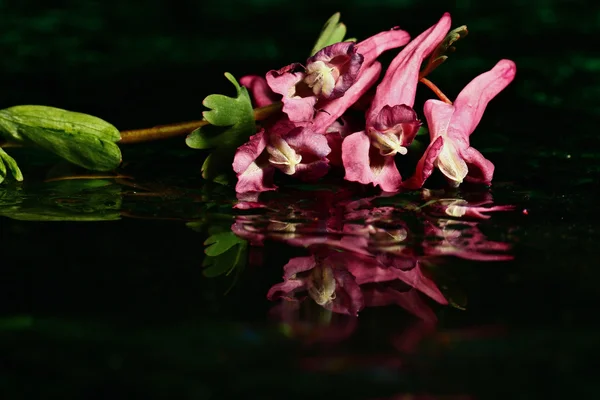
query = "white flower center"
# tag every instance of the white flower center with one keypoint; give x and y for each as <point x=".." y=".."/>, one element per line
<point x="451" y="164"/>
<point x="321" y="286"/>
<point x="320" y="78"/>
<point x="388" y="142"/>
<point x="283" y="156"/>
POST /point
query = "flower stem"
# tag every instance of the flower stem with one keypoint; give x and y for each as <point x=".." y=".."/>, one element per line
<point x="183" y="128"/>
<point x="6" y="145"/>
<point x="435" y="90"/>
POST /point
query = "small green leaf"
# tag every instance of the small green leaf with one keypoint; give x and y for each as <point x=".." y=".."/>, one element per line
<point x="234" y="113"/>
<point x="12" y="166"/>
<point x="221" y="264"/>
<point x="217" y="166"/>
<point x="231" y="125"/>
<point x="439" y="54"/>
<point x="220" y="243"/>
<point x="333" y="32"/>
<point x="82" y="139"/>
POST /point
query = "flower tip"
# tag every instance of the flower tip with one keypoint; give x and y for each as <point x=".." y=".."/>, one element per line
<point x="509" y="68"/>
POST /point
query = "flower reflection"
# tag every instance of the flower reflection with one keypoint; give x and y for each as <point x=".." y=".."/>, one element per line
<point x="365" y="252"/>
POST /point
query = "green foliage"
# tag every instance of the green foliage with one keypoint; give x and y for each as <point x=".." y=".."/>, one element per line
<point x="231" y="125"/>
<point x="333" y="32"/>
<point x="82" y="139"/>
<point x="7" y="161"/>
<point x="69" y="200"/>
<point x="439" y="54"/>
<point x="225" y="252"/>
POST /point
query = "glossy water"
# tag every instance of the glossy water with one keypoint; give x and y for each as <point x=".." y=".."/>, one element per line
<point x="108" y="292"/>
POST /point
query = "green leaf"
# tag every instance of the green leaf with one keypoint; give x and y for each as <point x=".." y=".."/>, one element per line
<point x="224" y="263"/>
<point x="439" y="55"/>
<point x="82" y="139"/>
<point x="333" y="32"/>
<point x="231" y="125"/>
<point x="234" y="113"/>
<point x="217" y="166"/>
<point x="74" y="200"/>
<point x="220" y="243"/>
<point x="8" y="161"/>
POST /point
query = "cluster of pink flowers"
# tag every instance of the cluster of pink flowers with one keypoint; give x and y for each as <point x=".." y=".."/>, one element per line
<point x="314" y="132"/>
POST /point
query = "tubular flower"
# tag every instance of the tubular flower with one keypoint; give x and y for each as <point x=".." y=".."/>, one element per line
<point x="392" y="124"/>
<point x="330" y="74"/>
<point x="450" y="127"/>
<point x="294" y="150"/>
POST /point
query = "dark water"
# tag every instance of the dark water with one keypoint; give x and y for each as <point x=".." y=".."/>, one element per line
<point x="107" y="291"/>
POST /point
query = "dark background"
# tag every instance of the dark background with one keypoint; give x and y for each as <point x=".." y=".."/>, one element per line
<point x="121" y="309"/>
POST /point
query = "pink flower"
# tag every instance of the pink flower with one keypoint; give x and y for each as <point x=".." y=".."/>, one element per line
<point x="294" y="150"/>
<point x="329" y="74"/>
<point x="262" y="95"/>
<point x="451" y="125"/>
<point x="328" y="284"/>
<point x="392" y="124"/>
<point x="464" y="240"/>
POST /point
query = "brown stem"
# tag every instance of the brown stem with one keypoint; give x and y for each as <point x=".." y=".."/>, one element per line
<point x="183" y="128"/>
<point x="84" y="177"/>
<point x="6" y="145"/>
<point x="435" y="90"/>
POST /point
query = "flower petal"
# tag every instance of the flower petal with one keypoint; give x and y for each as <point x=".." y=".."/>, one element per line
<point x="313" y="149"/>
<point x="332" y="110"/>
<point x="415" y="278"/>
<point x="425" y="165"/>
<point x="399" y="85"/>
<point x="371" y="48"/>
<point x="438" y="115"/>
<point x="366" y="166"/>
<point x="253" y="172"/>
<point x="348" y="296"/>
<point x="297" y="265"/>
<point x="481" y="170"/>
<point x="262" y="95"/>
<point x="297" y="106"/>
<point x="473" y="99"/>
<point x="338" y="63"/>
<point x="394" y="129"/>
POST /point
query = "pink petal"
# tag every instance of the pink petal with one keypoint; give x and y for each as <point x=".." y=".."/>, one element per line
<point x="348" y="296"/>
<point x="308" y="144"/>
<point x="474" y="98"/>
<point x="254" y="174"/>
<point x="298" y="107"/>
<point x="314" y="149"/>
<point x="481" y="170"/>
<point x="344" y="57"/>
<point x="297" y="265"/>
<point x="283" y="288"/>
<point x="438" y="115"/>
<point x="334" y="141"/>
<point x="399" y="85"/>
<point x="371" y="48"/>
<point x="425" y="165"/>
<point x="332" y="110"/>
<point x="415" y="278"/>
<point x="409" y="300"/>
<point x="399" y="120"/>
<point x="366" y="166"/>
<point x="262" y="95"/>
